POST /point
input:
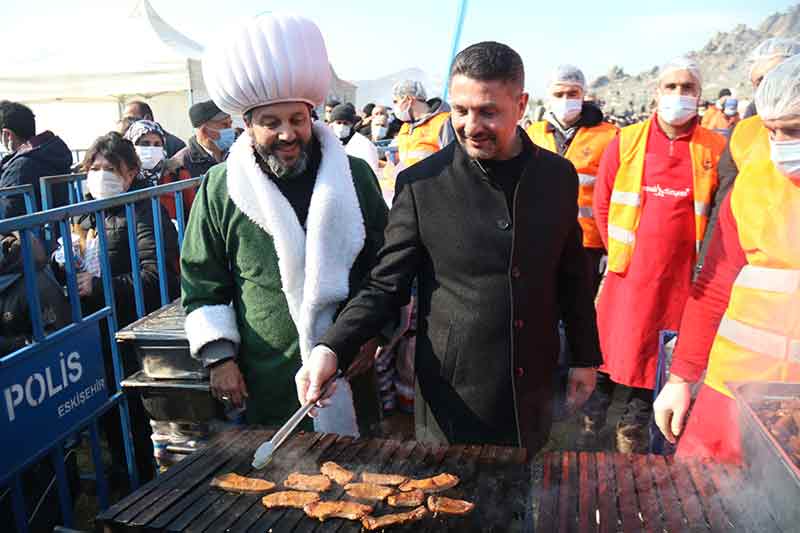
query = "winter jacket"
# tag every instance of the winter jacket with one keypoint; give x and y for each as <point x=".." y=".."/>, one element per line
<point x="43" y="155"/>
<point x="195" y="159"/>
<point x="118" y="253"/>
<point x="487" y="332"/>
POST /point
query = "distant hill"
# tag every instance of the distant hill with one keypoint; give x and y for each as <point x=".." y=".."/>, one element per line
<point x="722" y="63"/>
<point x="380" y="90"/>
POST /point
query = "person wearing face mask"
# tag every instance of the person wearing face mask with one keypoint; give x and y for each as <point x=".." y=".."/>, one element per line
<point x="27" y="157"/>
<point x="425" y="128"/>
<point x="213" y="137"/>
<point x="330" y="103"/>
<point x="379" y="125"/>
<point x="148" y="138"/>
<point x="285" y="230"/>
<point x="138" y="110"/>
<point x="714" y="117"/>
<point x="112" y="167"/>
<point x="343" y="120"/>
<point x="748" y="139"/>
<point x="651" y="201"/>
<point x="575" y="129"/>
<point x="741" y="321"/>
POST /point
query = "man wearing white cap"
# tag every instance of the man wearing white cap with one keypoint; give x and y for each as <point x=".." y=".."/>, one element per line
<point x="575" y="129"/>
<point x="651" y="202"/>
<point x="424" y="131"/>
<point x="749" y="140"/>
<point x="282" y="233"/>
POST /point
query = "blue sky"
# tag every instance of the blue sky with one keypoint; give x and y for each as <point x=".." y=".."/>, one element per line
<point x="369" y="39"/>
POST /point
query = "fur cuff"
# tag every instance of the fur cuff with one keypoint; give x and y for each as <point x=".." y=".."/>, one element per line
<point x="210" y="323"/>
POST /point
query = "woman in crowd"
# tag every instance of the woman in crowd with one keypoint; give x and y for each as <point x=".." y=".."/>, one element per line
<point x="742" y="320"/>
<point x="112" y="168"/>
<point x="156" y="169"/>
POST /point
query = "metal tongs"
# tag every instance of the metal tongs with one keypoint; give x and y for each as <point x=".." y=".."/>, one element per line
<point x="267" y="449"/>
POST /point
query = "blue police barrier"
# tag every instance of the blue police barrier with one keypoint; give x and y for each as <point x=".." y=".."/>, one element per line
<point x="27" y="194"/>
<point x="74" y="188"/>
<point x="54" y="388"/>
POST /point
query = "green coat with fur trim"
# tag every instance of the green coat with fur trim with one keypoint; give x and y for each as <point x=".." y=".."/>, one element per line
<point x="226" y="257"/>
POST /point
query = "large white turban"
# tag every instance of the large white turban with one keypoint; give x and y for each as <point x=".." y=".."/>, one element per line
<point x="267" y="60"/>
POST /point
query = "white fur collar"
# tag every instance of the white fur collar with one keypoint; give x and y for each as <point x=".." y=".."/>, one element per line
<point x="314" y="265"/>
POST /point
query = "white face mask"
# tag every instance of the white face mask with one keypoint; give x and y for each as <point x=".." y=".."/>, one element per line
<point x="341" y="130"/>
<point x="677" y="109"/>
<point x="6" y="144"/>
<point x="150" y="156"/>
<point x="103" y="184"/>
<point x="786" y="157"/>
<point x="403" y="115"/>
<point x="566" y="110"/>
<point x="379" y="132"/>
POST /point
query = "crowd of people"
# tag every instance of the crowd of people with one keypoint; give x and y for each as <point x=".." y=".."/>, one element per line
<point x="503" y="231"/>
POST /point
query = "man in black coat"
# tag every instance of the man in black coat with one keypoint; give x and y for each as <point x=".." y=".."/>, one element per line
<point x="29" y="158"/>
<point x="488" y="226"/>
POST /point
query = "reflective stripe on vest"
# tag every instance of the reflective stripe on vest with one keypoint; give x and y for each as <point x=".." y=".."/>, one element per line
<point x="585" y="152"/>
<point x="760" y="341"/>
<point x="759" y="336"/>
<point x="749" y="141"/>
<point x="417" y="143"/>
<point x="624" y="210"/>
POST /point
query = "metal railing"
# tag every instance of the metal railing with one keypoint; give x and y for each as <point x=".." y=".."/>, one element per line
<point x="33" y="376"/>
<point x="27" y="193"/>
<point x="74" y="188"/>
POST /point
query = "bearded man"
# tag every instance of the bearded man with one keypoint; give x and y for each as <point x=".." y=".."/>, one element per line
<point x="282" y="233"/>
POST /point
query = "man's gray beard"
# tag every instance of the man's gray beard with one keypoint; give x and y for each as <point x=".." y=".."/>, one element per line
<point x="278" y="168"/>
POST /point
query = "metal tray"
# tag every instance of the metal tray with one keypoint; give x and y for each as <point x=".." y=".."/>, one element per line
<point x="165" y="361"/>
<point x="175" y="400"/>
<point x="160" y="344"/>
<point x="770" y="466"/>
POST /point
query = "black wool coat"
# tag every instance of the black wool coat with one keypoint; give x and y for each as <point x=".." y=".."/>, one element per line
<point x="492" y="287"/>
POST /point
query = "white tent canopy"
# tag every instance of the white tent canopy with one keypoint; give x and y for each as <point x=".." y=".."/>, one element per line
<point x="78" y="90"/>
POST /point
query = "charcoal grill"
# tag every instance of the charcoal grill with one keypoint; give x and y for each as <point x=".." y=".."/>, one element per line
<point x="612" y="492"/>
<point x="771" y="468"/>
<point x="497" y="479"/>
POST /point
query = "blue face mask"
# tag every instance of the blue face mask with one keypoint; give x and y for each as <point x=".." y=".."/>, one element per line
<point x="226" y="138"/>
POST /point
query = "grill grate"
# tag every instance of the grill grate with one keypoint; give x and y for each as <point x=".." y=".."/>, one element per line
<point x="611" y="492"/>
<point x="497" y="479"/>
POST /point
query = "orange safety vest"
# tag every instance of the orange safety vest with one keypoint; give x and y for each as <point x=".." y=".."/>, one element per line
<point x="417" y="143"/>
<point x="759" y="336"/>
<point x="711" y="117"/>
<point x="626" y="198"/>
<point x="749" y="141"/>
<point x="585" y="152"/>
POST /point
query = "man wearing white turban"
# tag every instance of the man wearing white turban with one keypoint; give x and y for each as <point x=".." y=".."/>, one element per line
<point x="282" y="233"/>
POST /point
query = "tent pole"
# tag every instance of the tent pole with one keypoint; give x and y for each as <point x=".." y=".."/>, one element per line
<point x="462" y="11"/>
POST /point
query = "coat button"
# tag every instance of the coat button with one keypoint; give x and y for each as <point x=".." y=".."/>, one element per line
<point x="503" y="224"/>
<point x="519" y="324"/>
<point x="515" y="272"/>
<point x="520" y="372"/>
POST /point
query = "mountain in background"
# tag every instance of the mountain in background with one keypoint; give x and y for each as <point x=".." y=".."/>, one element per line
<point x="380" y="90"/>
<point x="723" y="63"/>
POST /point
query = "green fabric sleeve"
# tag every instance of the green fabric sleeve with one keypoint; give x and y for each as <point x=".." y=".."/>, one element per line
<point x="206" y="278"/>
